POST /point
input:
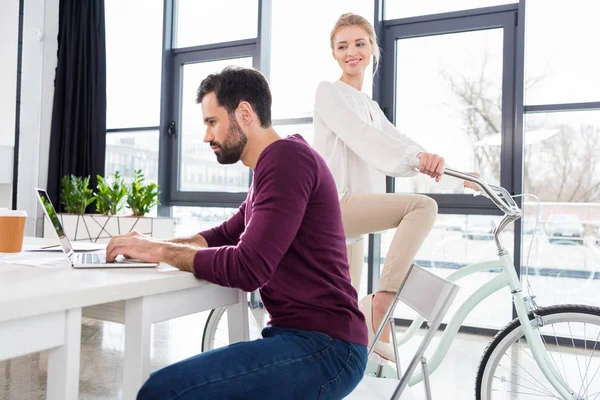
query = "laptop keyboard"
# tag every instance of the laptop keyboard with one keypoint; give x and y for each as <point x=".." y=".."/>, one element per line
<point x="93" y="258"/>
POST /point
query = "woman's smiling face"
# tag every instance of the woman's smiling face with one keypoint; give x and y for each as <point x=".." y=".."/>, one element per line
<point x="352" y="49"/>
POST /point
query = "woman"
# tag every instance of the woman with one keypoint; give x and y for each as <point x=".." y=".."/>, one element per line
<point x="359" y="145"/>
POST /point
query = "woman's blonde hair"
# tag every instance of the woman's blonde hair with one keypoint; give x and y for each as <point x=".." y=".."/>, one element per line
<point x="350" y="19"/>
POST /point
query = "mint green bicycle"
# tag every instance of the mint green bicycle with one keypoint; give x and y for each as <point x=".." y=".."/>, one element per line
<point x="546" y="352"/>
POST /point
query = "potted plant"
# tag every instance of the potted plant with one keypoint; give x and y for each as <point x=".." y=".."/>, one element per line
<point x="110" y="193"/>
<point x="76" y="194"/>
<point x="109" y="196"/>
<point x="142" y="197"/>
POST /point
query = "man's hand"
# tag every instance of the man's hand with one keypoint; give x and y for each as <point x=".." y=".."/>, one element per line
<point x="431" y="164"/>
<point x="141" y="247"/>
<point x="135" y="245"/>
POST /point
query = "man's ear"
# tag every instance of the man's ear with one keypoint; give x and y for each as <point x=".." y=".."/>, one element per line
<point x="245" y="112"/>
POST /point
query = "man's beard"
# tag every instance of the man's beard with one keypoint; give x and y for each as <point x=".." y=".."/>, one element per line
<point x="231" y="149"/>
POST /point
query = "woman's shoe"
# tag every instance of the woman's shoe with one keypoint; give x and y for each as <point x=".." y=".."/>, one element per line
<point x="384" y="349"/>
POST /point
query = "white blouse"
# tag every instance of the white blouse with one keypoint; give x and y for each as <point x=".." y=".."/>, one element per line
<point x="357" y="141"/>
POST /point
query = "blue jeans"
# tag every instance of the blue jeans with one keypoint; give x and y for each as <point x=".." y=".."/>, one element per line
<point x="285" y="364"/>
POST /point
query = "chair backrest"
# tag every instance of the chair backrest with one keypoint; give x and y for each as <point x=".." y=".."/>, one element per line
<point x="426" y="293"/>
<point x="430" y="296"/>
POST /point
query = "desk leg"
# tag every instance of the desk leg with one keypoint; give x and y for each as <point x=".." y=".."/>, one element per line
<point x="63" y="361"/>
<point x="237" y="319"/>
<point x="137" y="346"/>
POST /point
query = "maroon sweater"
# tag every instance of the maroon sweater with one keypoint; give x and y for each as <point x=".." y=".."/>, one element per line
<point x="288" y="240"/>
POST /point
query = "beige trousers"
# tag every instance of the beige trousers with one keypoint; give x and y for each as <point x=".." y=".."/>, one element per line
<point x="411" y="215"/>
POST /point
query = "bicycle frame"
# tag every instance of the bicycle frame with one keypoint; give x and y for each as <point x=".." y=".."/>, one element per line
<point x="507" y="278"/>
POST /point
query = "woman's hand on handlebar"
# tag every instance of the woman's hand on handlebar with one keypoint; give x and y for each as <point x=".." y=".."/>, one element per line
<point x="431" y="164"/>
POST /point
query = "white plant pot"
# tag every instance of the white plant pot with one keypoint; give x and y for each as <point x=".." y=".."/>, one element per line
<point x="97" y="228"/>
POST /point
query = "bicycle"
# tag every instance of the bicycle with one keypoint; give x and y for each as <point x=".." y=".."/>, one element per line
<point x="522" y="360"/>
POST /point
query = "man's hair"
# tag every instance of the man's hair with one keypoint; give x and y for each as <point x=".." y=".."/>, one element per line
<point x="236" y="84"/>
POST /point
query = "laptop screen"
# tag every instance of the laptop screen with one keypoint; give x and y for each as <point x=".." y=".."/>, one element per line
<point x="53" y="217"/>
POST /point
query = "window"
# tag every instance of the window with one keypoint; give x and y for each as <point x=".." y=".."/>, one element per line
<point x="133" y="63"/>
<point x="561" y="162"/>
<point x="206" y="22"/>
<point x="449" y="100"/>
<point x="196" y="154"/>
<point x="561" y="66"/>
<point x="300" y="53"/>
<point x="191" y="220"/>
<point x="405" y="8"/>
<point x="562" y="156"/>
<point x="126" y="152"/>
<point x="562" y="167"/>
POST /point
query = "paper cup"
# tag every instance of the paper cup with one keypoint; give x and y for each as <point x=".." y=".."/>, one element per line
<point x="12" y="228"/>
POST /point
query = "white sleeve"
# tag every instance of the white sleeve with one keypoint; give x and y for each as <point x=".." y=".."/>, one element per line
<point x="389" y="153"/>
<point x="447" y="182"/>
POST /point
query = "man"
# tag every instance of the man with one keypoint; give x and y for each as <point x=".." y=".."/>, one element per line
<point x="286" y="239"/>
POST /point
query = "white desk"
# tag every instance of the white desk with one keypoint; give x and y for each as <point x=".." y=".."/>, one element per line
<point x="41" y="309"/>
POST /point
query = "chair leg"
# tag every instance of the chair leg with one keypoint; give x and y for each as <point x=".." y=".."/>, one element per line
<point x="379" y="372"/>
<point x="395" y="344"/>
<point x="426" y="378"/>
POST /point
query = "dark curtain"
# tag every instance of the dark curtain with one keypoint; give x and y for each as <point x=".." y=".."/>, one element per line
<point x="78" y="136"/>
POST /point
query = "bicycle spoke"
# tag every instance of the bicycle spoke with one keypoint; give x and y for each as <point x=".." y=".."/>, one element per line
<point x="526" y="387"/>
<point x="540" y="386"/>
<point x="597" y="369"/>
<point x="575" y="351"/>
<point x="523" y="350"/>
<point x="559" y="353"/>
<point x="584" y="381"/>
<point x="529" y="394"/>
<point x="552" y="356"/>
<point x="596" y="394"/>
<point x="591" y="357"/>
<point x="527" y="372"/>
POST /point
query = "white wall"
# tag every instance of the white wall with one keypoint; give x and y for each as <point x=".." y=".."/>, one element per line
<point x="40" y="30"/>
<point x="9" y="36"/>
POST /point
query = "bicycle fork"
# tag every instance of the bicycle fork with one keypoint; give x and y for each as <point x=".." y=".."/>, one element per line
<point x="538" y="349"/>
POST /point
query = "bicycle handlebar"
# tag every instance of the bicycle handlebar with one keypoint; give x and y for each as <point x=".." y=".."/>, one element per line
<point x="497" y="194"/>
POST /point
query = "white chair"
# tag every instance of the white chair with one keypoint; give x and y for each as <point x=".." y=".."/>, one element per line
<point x="430" y="296"/>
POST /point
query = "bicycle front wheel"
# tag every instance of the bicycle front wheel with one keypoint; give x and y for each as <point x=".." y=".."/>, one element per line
<point x="570" y="334"/>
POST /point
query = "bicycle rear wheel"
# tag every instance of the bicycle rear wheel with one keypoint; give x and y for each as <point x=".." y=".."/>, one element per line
<point x="570" y="333"/>
<point x="216" y="333"/>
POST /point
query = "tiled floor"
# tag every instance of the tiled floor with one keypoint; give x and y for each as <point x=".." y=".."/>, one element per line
<point x="24" y="378"/>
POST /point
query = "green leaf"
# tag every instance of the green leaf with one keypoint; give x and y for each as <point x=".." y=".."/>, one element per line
<point x="110" y="195"/>
<point x="76" y="194"/>
<point x="141" y="197"/>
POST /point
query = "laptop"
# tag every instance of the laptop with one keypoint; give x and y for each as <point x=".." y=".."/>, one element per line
<point x="83" y="260"/>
